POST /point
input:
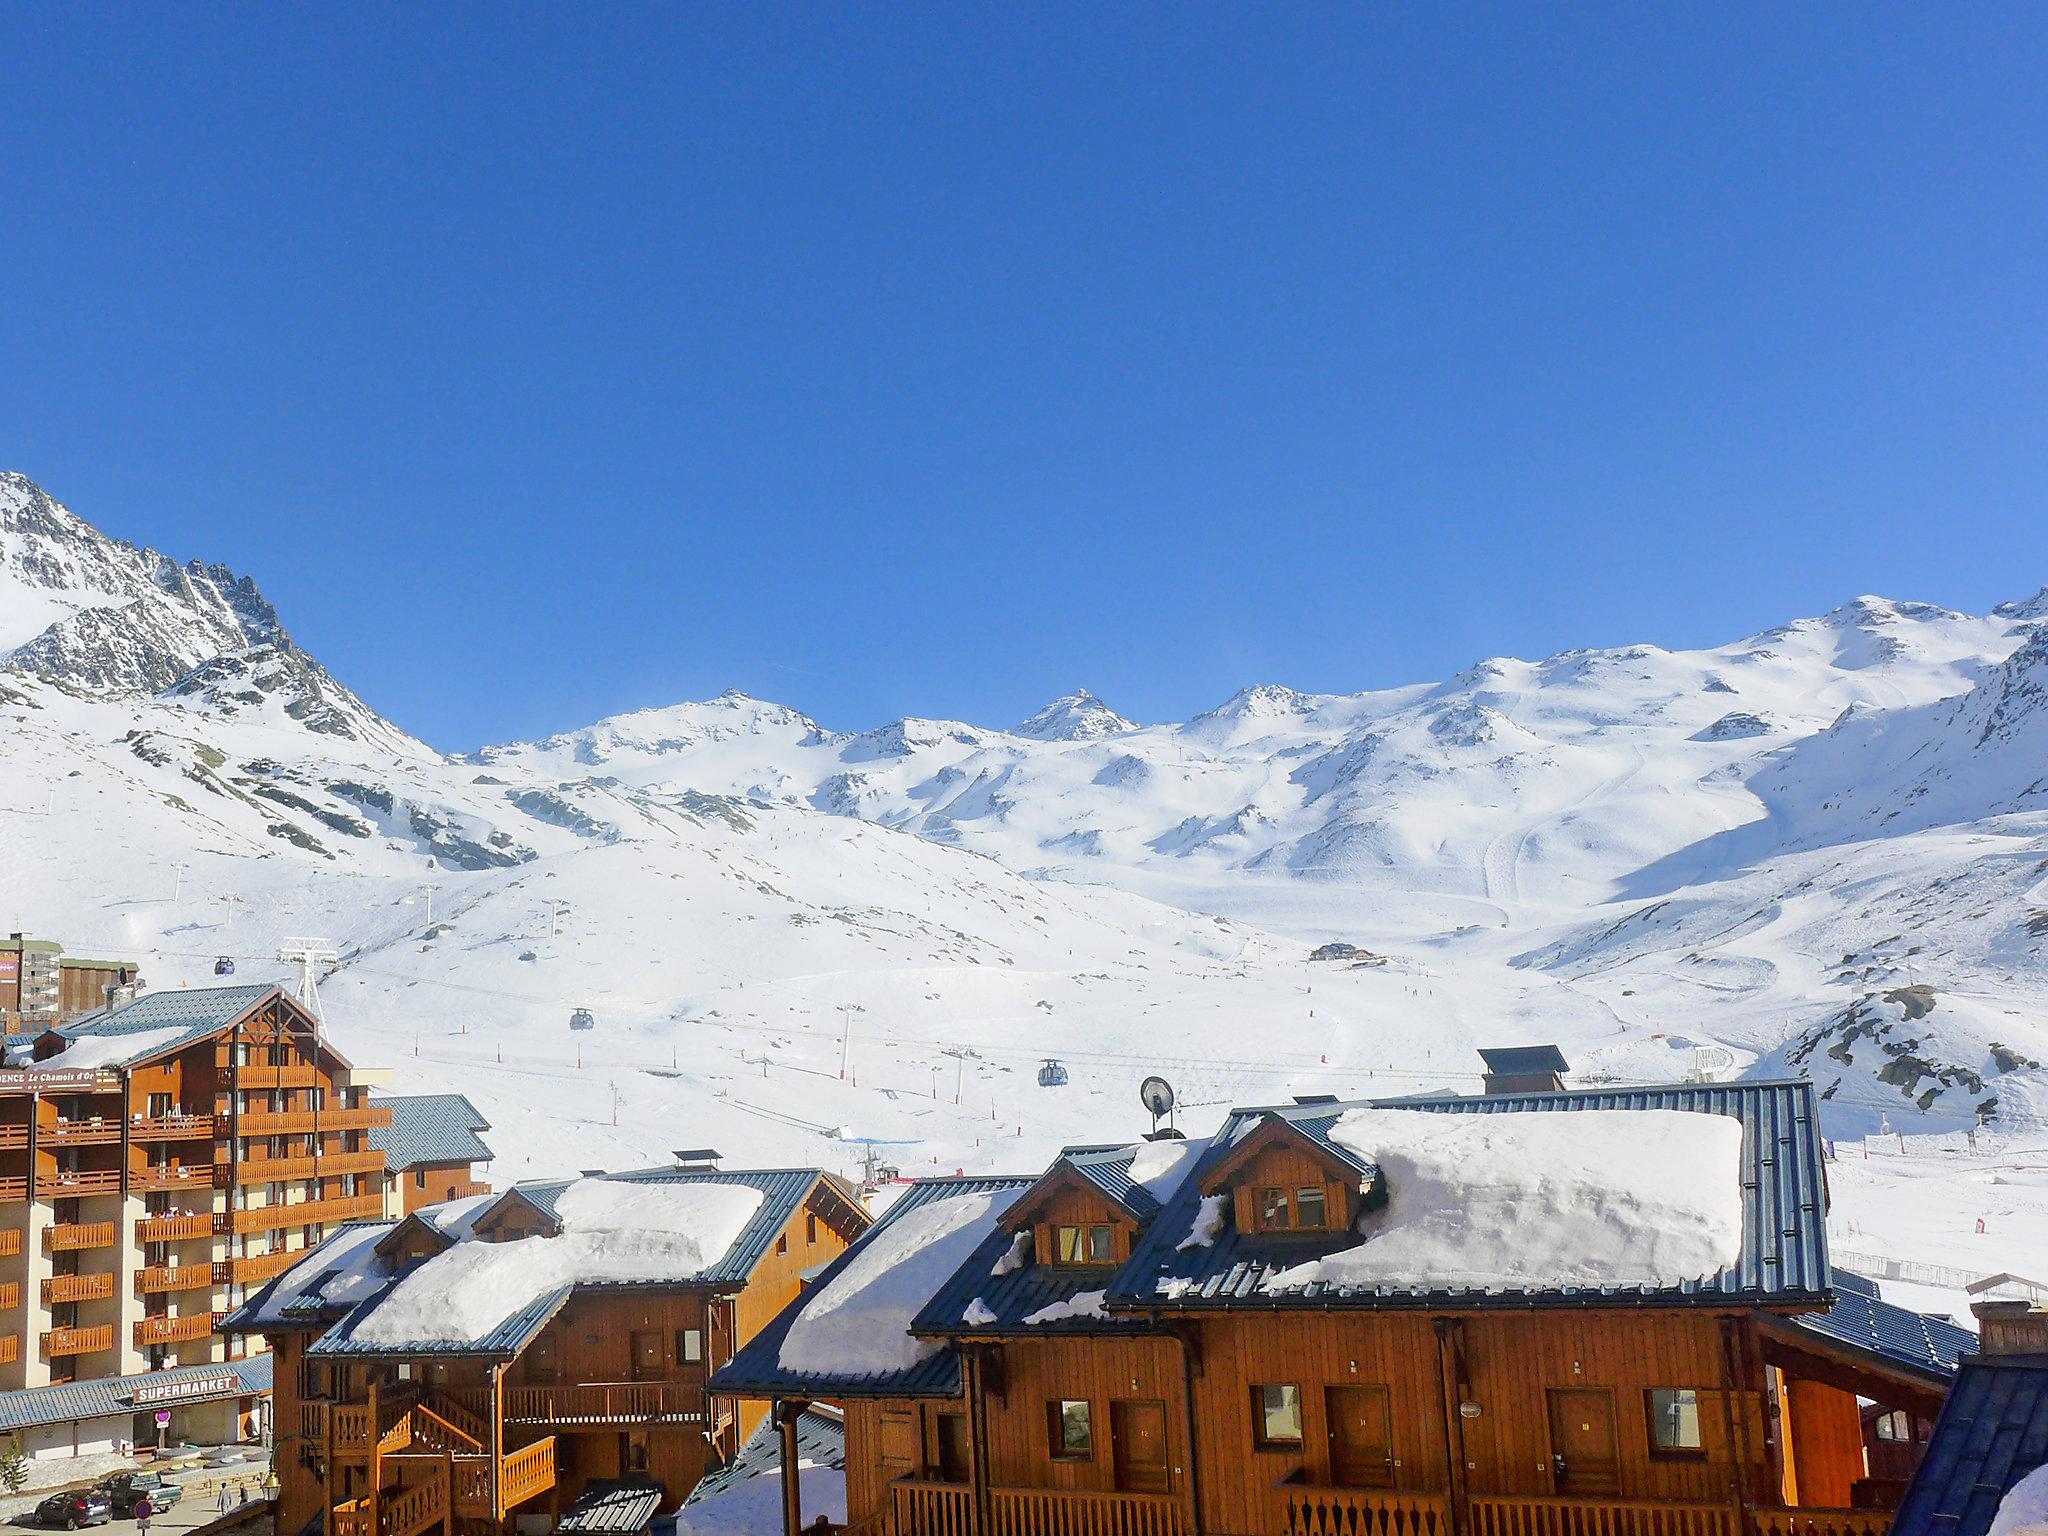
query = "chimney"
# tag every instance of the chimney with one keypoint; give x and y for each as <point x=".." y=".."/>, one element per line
<point x="1524" y="1069"/>
<point x="2011" y="1327"/>
<point x="591" y="1173"/>
<point x="697" y="1159"/>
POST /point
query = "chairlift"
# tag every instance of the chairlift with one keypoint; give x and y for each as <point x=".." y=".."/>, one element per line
<point x="582" y="1019"/>
<point x="224" y="966"/>
<point x="1051" y="1074"/>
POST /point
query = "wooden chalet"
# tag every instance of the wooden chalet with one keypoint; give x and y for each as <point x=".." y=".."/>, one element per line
<point x="1139" y="1348"/>
<point x="1992" y="1433"/>
<point x="389" y="1426"/>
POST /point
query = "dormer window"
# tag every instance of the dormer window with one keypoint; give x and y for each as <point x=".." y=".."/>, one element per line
<point x="1093" y="1244"/>
<point x="1293" y="1209"/>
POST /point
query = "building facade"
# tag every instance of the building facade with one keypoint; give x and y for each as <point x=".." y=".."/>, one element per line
<point x="433" y="1152"/>
<point x="1140" y="1344"/>
<point x="580" y="1357"/>
<point x="160" y="1159"/>
<point x="41" y="986"/>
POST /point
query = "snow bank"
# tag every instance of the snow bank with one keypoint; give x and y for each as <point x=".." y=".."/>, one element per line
<point x="1537" y="1201"/>
<point x="351" y="1257"/>
<point x="858" y="1323"/>
<point x="1158" y="1166"/>
<point x="1080" y="1304"/>
<point x="109" y="1050"/>
<point x="2024" y="1509"/>
<point x="612" y="1230"/>
<point x="1208" y="1223"/>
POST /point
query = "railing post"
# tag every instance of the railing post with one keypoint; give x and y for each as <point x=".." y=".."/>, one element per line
<point x="787" y="1412"/>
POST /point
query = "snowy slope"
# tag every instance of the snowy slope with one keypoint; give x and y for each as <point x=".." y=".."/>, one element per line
<point x="1819" y="849"/>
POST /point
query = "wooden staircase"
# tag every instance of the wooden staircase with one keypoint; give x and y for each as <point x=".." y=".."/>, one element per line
<point x="429" y="1465"/>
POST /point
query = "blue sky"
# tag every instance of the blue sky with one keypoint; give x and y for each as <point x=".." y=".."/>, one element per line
<point x="547" y="361"/>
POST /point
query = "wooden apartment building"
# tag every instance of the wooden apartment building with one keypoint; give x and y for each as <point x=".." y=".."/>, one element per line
<point x="433" y="1152"/>
<point x="157" y="1160"/>
<point x="1123" y="1356"/>
<point x="587" y="1381"/>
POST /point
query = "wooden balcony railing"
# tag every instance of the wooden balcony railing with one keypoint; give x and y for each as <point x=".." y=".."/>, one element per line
<point x="255" y="1268"/>
<point x="301" y="1122"/>
<point x="465" y="1190"/>
<point x="1312" y="1511"/>
<point x="270" y="1218"/>
<point x="397" y="1514"/>
<point x="313" y="1419"/>
<point x="623" y="1402"/>
<point x="276" y="1170"/>
<point x="96" y="1132"/>
<point x="261" y="1075"/>
<point x="1563" y="1515"/>
<point x="13" y="1137"/>
<point x="925" y="1508"/>
<point x="59" y="1342"/>
<point x="10" y="1242"/>
<point x="10" y="1348"/>
<point x="13" y="1190"/>
<point x="62" y="1288"/>
<point x="68" y="1236"/>
<point x="173" y="1330"/>
<point x="175" y="1176"/>
<point x="172" y="1229"/>
<point x="161" y="1278"/>
<point x="174" y="1128"/>
<point x="526" y="1472"/>
<point x="1822" y="1522"/>
<point x="10" y="1294"/>
<point x="65" y="1186"/>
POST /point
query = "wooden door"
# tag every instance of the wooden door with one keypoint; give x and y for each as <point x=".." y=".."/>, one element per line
<point x="1137" y="1437"/>
<point x="1361" y="1446"/>
<point x="950" y="1430"/>
<point x="1582" y="1442"/>
<point x="647" y="1363"/>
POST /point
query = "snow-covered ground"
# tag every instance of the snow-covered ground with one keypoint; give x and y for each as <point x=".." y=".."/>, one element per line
<point x="1823" y="850"/>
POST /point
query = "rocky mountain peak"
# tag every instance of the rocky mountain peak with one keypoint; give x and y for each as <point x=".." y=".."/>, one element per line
<point x="1077" y="716"/>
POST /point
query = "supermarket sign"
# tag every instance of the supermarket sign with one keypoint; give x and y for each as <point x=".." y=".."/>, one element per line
<point x="220" y="1384"/>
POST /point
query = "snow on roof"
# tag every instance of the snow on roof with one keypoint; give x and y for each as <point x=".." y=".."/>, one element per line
<point x="337" y="1275"/>
<point x="612" y="1231"/>
<point x="2024" y="1509"/>
<point x="1157" y="1167"/>
<point x="96" y="1051"/>
<point x="858" y="1324"/>
<point x="1533" y="1201"/>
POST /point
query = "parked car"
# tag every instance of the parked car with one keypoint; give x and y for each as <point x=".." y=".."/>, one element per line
<point x="125" y="1490"/>
<point x="79" y="1506"/>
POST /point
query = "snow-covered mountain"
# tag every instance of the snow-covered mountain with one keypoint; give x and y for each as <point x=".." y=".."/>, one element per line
<point x="1820" y="849"/>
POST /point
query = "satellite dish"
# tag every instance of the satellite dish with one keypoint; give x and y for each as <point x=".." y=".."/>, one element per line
<point x="1156" y="1094"/>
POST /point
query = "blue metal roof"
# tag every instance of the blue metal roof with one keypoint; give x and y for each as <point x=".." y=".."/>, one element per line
<point x="430" y="1128"/>
<point x="820" y="1442"/>
<point x="757" y="1370"/>
<point x="1992" y="1432"/>
<point x="1784" y="1195"/>
<point x="114" y="1396"/>
<point x="200" y="1011"/>
<point x="1930" y="1347"/>
<point x="783" y="1193"/>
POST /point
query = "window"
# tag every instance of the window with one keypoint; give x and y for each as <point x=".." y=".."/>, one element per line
<point x="811" y="1228"/>
<point x="1069" y="1431"/>
<point x="1276" y="1417"/>
<point x="1275" y="1213"/>
<point x="419" y="1178"/>
<point x="1675" y="1422"/>
<point x="782" y="1242"/>
<point x="1084" y="1245"/>
<point x="689" y="1346"/>
<point x="159" y="1105"/>
<point x="280" y="1054"/>
<point x="1308" y="1207"/>
<point x="1894" y="1426"/>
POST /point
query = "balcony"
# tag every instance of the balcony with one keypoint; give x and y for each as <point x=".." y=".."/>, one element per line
<point x="10" y="1242"/>
<point x="172" y="1229"/>
<point x="256" y="1268"/>
<point x="173" y="1330"/>
<point x="68" y="1236"/>
<point x="175" y="1128"/>
<point x="270" y="1218"/>
<point x="62" y="1288"/>
<point x="66" y="1186"/>
<point x="924" y="1508"/>
<point x="13" y="1190"/>
<point x="161" y="1278"/>
<point x="96" y="1132"/>
<point x="302" y="1122"/>
<point x="618" y="1402"/>
<point x="259" y="1075"/>
<point x="173" y="1176"/>
<point x="466" y="1190"/>
<point x="1562" y="1515"/>
<point x="10" y="1348"/>
<point x="328" y="1165"/>
<point x="10" y="1295"/>
<point x="59" y="1342"/>
<point x="13" y="1137"/>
